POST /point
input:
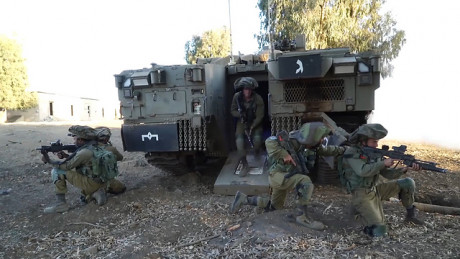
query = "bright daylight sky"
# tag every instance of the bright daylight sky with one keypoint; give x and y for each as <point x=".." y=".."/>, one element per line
<point x="75" y="47"/>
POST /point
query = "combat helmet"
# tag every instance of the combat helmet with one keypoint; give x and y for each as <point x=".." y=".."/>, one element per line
<point x="103" y="133"/>
<point x="245" y="82"/>
<point x="84" y="132"/>
<point x="366" y="131"/>
<point x="311" y="133"/>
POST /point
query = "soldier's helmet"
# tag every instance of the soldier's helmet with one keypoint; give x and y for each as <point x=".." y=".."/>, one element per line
<point x="366" y="131"/>
<point x="103" y="133"/>
<point x="84" y="132"/>
<point x="245" y="82"/>
<point x="310" y="133"/>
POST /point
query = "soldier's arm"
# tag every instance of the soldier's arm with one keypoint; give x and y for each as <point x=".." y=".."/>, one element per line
<point x="360" y="165"/>
<point x="79" y="159"/>
<point x="260" y="111"/>
<point x="330" y="150"/>
<point x="274" y="149"/>
<point x="234" y="108"/>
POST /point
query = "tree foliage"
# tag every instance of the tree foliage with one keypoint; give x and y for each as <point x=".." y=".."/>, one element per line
<point x="213" y="43"/>
<point x="357" y="24"/>
<point x="13" y="77"/>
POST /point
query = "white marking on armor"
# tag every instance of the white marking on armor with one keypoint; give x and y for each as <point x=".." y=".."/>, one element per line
<point x="300" y="69"/>
<point x="150" y="136"/>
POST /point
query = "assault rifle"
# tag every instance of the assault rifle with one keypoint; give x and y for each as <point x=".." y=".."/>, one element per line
<point x="56" y="147"/>
<point x="398" y="153"/>
<point x="300" y="167"/>
<point x="244" y="120"/>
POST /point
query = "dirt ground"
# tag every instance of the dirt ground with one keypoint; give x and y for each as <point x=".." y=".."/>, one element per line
<point x="178" y="216"/>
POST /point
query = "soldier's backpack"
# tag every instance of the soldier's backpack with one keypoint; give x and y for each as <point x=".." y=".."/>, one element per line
<point x="104" y="164"/>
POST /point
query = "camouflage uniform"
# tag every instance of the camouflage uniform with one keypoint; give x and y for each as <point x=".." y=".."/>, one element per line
<point x="77" y="171"/>
<point x="103" y="134"/>
<point x="253" y="111"/>
<point x="360" y="174"/>
<point x="307" y="143"/>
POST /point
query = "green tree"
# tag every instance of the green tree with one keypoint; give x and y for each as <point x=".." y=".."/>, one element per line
<point x="357" y="24"/>
<point x="213" y="43"/>
<point x="13" y="77"/>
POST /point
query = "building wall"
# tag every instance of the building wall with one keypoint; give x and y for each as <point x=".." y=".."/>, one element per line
<point x="56" y="107"/>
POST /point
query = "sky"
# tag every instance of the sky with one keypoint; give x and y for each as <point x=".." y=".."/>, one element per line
<point x="75" y="47"/>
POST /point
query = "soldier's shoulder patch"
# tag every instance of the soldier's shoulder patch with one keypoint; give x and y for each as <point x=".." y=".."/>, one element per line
<point x="363" y="157"/>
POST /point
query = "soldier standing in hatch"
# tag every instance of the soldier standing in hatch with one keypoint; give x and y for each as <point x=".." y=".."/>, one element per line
<point x="307" y="143"/>
<point x="103" y="135"/>
<point x="360" y="175"/>
<point x="77" y="170"/>
<point x="248" y="107"/>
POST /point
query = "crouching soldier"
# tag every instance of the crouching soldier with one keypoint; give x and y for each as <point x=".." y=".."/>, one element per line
<point x="360" y="174"/>
<point x="306" y="142"/>
<point x="77" y="169"/>
<point x="103" y="135"/>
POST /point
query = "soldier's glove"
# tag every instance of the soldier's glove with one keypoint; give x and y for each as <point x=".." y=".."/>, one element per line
<point x="61" y="155"/>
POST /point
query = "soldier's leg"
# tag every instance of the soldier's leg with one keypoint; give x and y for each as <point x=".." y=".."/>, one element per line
<point x="304" y="189"/>
<point x="257" y="140"/>
<point x="89" y="187"/>
<point x="368" y="205"/>
<point x="405" y="190"/>
<point x="243" y="199"/>
<point x="116" y="187"/>
<point x="280" y="187"/>
<point x="58" y="177"/>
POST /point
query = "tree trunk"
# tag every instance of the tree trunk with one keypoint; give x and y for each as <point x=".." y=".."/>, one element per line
<point x="437" y="208"/>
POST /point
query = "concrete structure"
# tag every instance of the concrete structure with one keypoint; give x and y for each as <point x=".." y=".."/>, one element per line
<point x="59" y="107"/>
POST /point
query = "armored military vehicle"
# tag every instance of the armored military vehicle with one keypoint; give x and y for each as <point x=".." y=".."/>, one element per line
<point x="180" y="114"/>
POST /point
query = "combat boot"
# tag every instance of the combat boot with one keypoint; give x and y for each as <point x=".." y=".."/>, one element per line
<point x="240" y="199"/>
<point x="411" y="217"/>
<point x="306" y="221"/>
<point x="59" y="207"/>
<point x="100" y="196"/>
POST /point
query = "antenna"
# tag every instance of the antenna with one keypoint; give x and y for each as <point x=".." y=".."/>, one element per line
<point x="231" y="43"/>
<point x="272" y="52"/>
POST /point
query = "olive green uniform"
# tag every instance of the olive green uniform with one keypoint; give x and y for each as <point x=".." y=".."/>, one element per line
<point x="77" y="171"/>
<point x="278" y="169"/>
<point x="256" y="106"/>
<point x="114" y="186"/>
<point x="361" y="177"/>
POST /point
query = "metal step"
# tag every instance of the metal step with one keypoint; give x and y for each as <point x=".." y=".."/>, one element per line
<point x="254" y="183"/>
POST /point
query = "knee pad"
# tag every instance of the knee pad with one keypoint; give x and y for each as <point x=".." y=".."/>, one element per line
<point x="55" y="173"/>
<point x="407" y="184"/>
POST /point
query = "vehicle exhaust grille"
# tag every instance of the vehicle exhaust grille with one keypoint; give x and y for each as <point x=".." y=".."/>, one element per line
<point x="314" y="90"/>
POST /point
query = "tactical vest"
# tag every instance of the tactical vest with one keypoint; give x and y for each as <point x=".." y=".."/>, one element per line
<point x="248" y="108"/>
<point x="349" y="179"/>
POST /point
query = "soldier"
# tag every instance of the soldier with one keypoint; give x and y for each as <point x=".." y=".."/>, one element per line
<point x="248" y="107"/>
<point x="77" y="170"/>
<point x="307" y="143"/>
<point x="103" y="137"/>
<point x="360" y="174"/>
